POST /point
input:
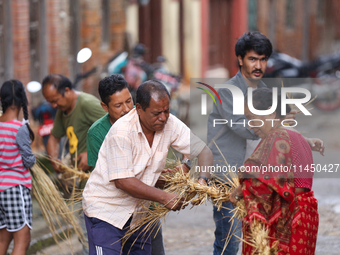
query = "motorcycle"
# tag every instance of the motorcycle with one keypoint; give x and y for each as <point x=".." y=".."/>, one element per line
<point x="135" y="70"/>
<point x="282" y="65"/>
<point x="320" y="77"/>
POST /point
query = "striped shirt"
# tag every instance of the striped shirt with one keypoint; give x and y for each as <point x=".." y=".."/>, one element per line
<point x="126" y="153"/>
<point x="12" y="168"/>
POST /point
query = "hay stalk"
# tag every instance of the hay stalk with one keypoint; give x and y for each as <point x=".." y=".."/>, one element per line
<point x="53" y="207"/>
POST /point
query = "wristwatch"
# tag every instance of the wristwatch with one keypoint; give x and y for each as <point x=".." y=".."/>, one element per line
<point x="187" y="163"/>
<point x="237" y="197"/>
<point x="204" y="178"/>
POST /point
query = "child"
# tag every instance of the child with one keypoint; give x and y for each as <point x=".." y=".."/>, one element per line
<point x="15" y="158"/>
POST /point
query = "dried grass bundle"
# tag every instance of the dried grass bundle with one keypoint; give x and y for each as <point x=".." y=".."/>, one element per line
<point x="259" y="238"/>
<point x="68" y="172"/>
<point x="53" y="207"/>
<point x="218" y="193"/>
<point x="147" y="221"/>
<point x="181" y="183"/>
<point x="186" y="186"/>
<point x="72" y="173"/>
<point x="148" y="216"/>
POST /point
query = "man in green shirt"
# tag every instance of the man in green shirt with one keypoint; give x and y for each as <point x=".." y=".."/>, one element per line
<point x="77" y="111"/>
<point x="116" y="101"/>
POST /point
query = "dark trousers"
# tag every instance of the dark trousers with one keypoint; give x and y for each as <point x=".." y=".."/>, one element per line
<point x="105" y="239"/>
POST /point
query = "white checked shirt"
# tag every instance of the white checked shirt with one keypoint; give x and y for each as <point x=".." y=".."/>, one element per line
<point x="125" y="153"/>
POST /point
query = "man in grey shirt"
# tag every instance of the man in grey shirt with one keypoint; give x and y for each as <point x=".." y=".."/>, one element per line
<point x="252" y="50"/>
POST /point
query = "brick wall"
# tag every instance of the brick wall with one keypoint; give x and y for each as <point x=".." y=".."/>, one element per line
<point x="20" y="29"/>
<point x="91" y="37"/>
<point x="117" y="24"/>
<point x="59" y="41"/>
<point x="54" y="45"/>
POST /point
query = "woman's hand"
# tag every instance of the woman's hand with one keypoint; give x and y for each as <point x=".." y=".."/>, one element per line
<point x="316" y="144"/>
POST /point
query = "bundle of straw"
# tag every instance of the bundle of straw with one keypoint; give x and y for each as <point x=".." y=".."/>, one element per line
<point x="53" y="207"/>
<point x="259" y="238"/>
<point x="73" y="173"/>
<point x="218" y="193"/>
<point x="69" y="172"/>
<point x="186" y="187"/>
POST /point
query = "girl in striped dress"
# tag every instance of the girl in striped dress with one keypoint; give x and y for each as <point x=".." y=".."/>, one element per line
<point x="15" y="158"/>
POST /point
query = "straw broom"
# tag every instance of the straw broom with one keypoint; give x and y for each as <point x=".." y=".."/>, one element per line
<point x="53" y="207"/>
<point x="61" y="210"/>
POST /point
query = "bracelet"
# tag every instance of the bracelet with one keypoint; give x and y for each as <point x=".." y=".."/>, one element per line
<point x="204" y="178"/>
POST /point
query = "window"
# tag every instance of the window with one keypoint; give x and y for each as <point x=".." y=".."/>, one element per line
<point x="252" y="11"/>
<point x="290" y="14"/>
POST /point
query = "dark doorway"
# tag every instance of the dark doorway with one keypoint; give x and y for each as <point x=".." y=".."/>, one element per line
<point x="150" y="29"/>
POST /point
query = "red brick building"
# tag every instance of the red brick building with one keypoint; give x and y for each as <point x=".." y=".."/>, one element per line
<point x="38" y="37"/>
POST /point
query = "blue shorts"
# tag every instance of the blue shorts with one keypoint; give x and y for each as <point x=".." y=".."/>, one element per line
<point x="105" y="239"/>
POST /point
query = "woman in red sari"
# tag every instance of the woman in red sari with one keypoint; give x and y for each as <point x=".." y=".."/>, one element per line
<point x="275" y="184"/>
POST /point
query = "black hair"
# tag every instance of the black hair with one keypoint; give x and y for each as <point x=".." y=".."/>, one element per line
<point x="60" y="82"/>
<point x="145" y="90"/>
<point x="263" y="99"/>
<point x="253" y="41"/>
<point x="13" y="93"/>
<point x="110" y="85"/>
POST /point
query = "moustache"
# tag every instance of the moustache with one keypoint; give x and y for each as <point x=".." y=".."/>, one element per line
<point x="257" y="70"/>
